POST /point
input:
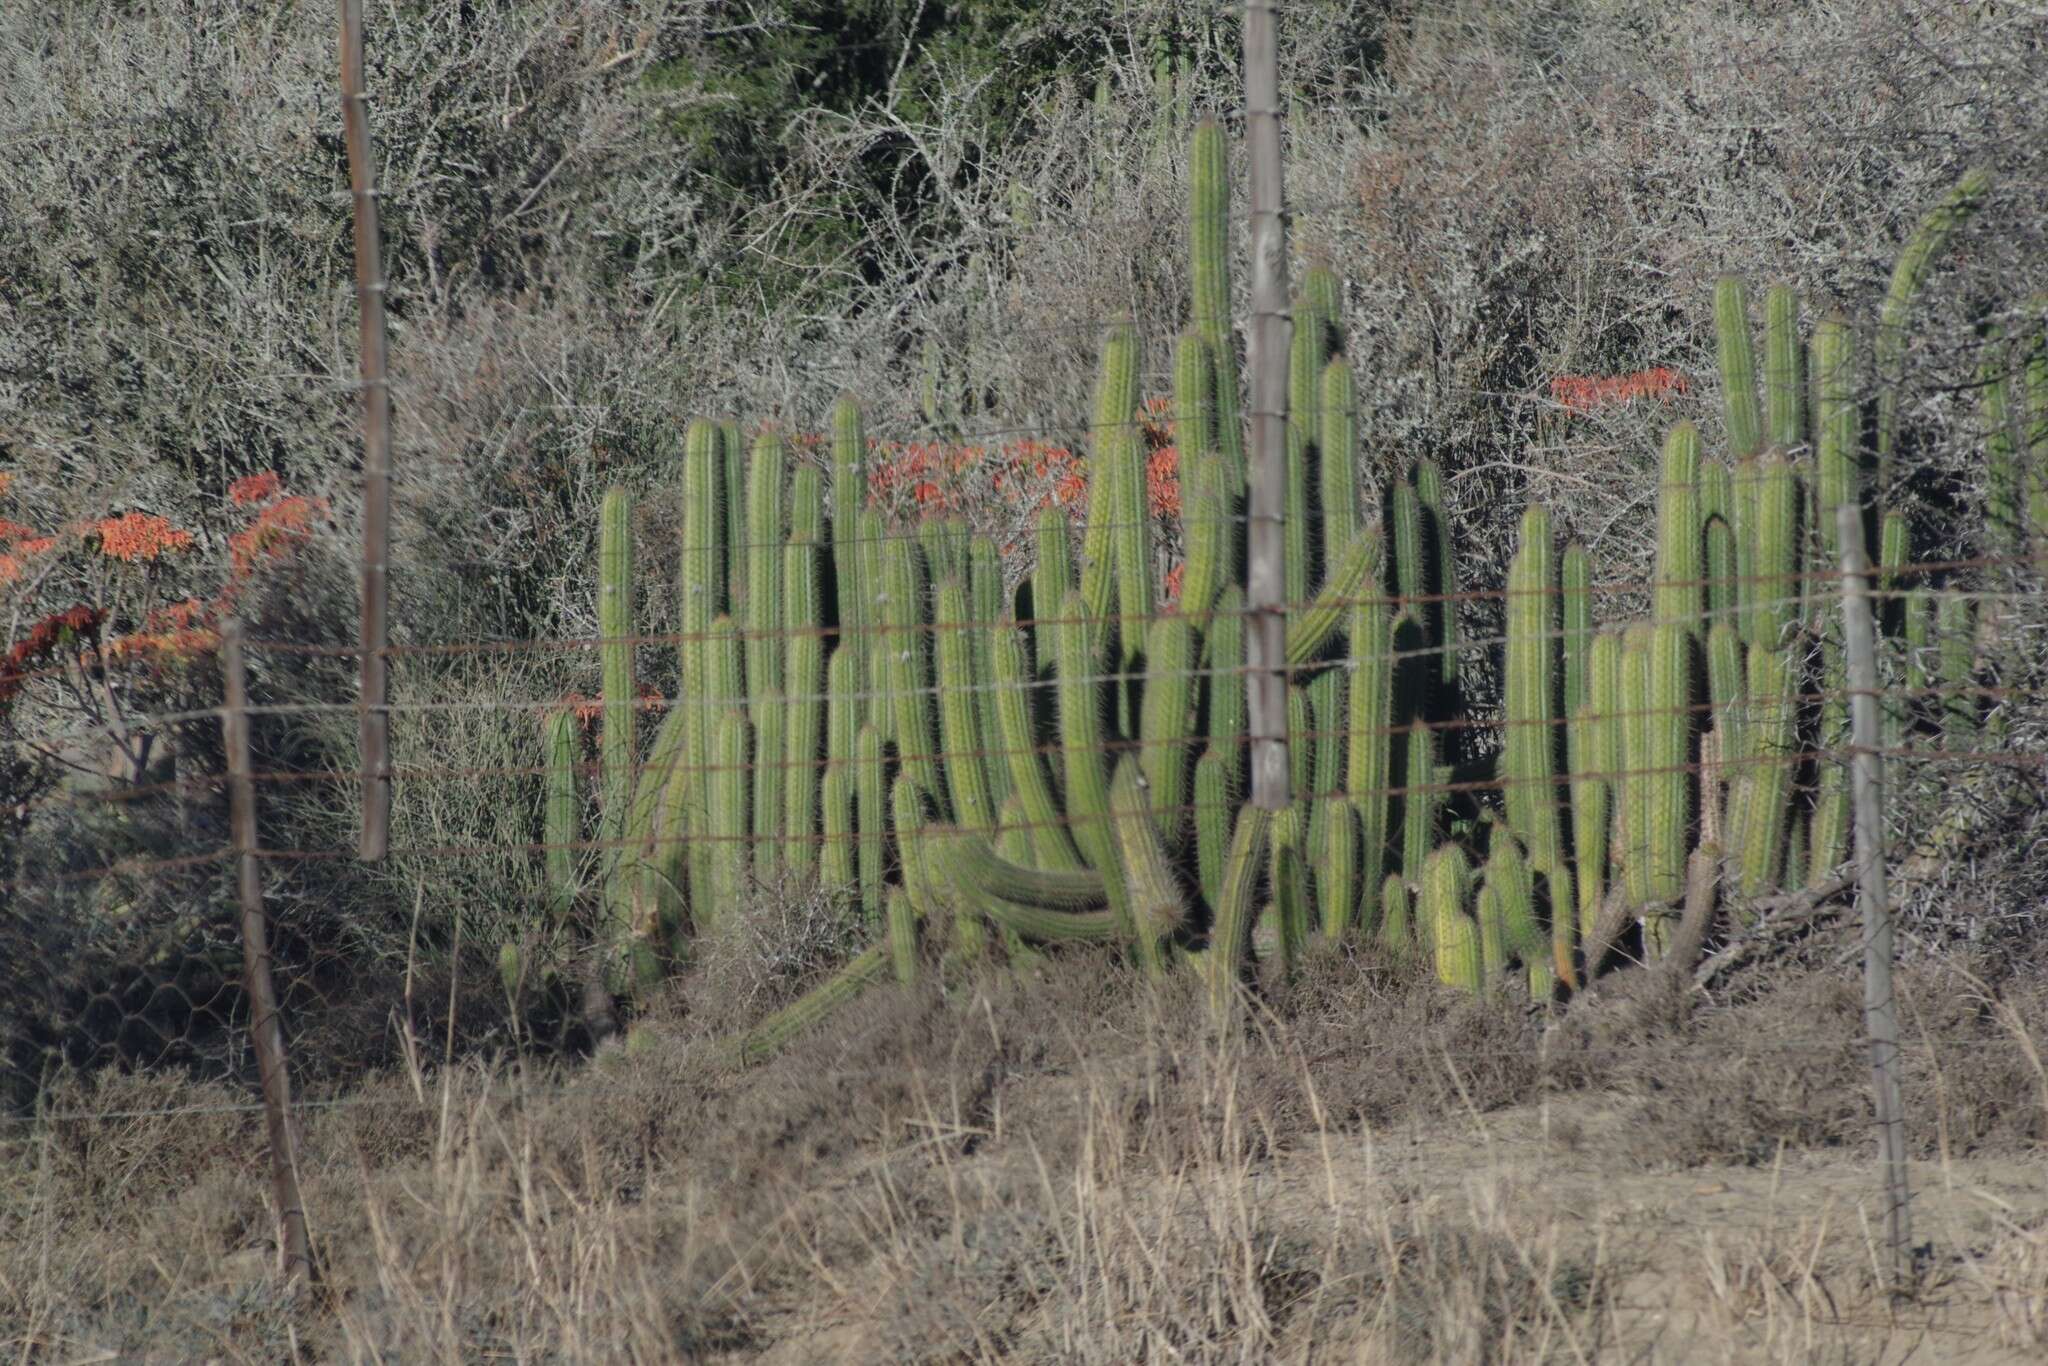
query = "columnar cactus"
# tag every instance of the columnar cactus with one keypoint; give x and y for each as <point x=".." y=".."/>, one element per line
<point x="1209" y="234"/>
<point x="1369" y="769"/>
<point x="1453" y="934"/>
<point x="1738" y="367"/>
<point x="1784" y="406"/>
<point x="759" y="595"/>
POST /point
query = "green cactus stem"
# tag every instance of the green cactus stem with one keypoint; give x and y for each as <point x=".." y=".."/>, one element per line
<point x="1339" y="466"/>
<point x="1407" y="576"/>
<point x="1226" y="664"/>
<point x="617" y="751"/>
<point x="1421" y="799"/>
<point x="732" y="457"/>
<point x="1575" y="588"/>
<point x="759" y="596"/>
<point x="838" y="868"/>
<point x="1053" y="577"/>
<point x="1717" y="524"/>
<point x="1429" y="489"/>
<point x="903" y="606"/>
<point x="1209" y="236"/>
<point x="1784" y="413"/>
<point x="1207" y="494"/>
<point x="1081" y="739"/>
<point x="1836" y="421"/>
<point x="849" y="557"/>
<point x="561" y="815"/>
<point x="1214" y="802"/>
<point x="1667" y="782"/>
<point x="1166" y="720"/>
<point x="729" y="830"/>
<point x="1300" y="748"/>
<point x="1152" y="893"/>
<point x="1774" y="607"/>
<point x="1829" y="828"/>
<point x="966" y="766"/>
<point x="975" y="865"/>
<point x="1531" y="741"/>
<point x="1738" y="366"/>
<point x="771" y="772"/>
<point x="1680" y="544"/>
<point x="2004" y="496"/>
<point x="806" y="703"/>
<point x="1452" y="932"/>
<point x="1230" y="936"/>
<point x="1018" y="742"/>
<point x="1396" y="928"/>
<point x="1369" y="766"/>
<point x="1113" y="447"/>
<point x="902" y="920"/>
<point x="1914" y="265"/>
<point x="1761" y="779"/>
<point x="1350" y="575"/>
<point x="767" y="1038"/>
<point x="1596" y="763"/>
<point x="1631" y="804"/>
<point x="700" y="585"/>
<point x="1291" y="910"/>
<point x="870" y="815"/>
<point x="1334" y="833"/>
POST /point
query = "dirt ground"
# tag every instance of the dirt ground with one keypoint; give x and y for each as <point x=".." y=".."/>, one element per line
<point x="1074" y="1170"/>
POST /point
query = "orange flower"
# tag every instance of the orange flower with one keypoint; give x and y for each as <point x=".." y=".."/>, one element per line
<point x="283" y="526"/>
<point x="1584" y="393"/>
<point x="1162" y="481"/>
<point x="136" y="536"/>
<point x="1173" y="581"/>
<point x="6" y="482"/>
<point x="254" y="488"/>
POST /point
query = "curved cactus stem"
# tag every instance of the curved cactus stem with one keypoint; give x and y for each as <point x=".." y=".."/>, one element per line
<point x="1230" y="937"/>
<point x="1207" y="494"/>
<point x="1081" y="741"/>
<point x="902" y="918"/>
<point x="1153" y="895"/>
<point x="1717" y="526"/>
<point x="1018" y="741"/>
<point x="959" y="734"/>
<point x="987" y="603"/>
<point x="838" y="869"/>
<point x="767" y="1038"/>
<point x="1910" y="272"/>
<point x="1350" y="575"/>
<point x="978" y="868"/>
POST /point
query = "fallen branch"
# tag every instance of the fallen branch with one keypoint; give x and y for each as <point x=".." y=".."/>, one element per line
<point x="1772" y="919"/>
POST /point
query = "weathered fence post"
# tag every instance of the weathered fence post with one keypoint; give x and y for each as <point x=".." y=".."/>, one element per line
<point x="266" y="1031"/>
<point x="1866" y="777"/>
<point x="1266" y="354"/>
<point x="373" y="721"/>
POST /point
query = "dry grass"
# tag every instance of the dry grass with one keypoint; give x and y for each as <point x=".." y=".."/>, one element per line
<point x="1069" y="1170"/>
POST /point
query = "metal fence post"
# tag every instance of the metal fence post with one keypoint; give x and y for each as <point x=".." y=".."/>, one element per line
<point x="266" y="1031"/>
<point x="1866" y="776"/>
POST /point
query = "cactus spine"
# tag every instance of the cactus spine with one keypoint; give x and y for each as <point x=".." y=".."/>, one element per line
<point x="1153" y="895"/>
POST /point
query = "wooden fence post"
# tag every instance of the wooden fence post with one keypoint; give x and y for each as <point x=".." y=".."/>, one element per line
<point x="266" y="1031"/>
<point x="1866" y="777"/>
<point x="1266" y="356"/>
<point x="373" y="721"/>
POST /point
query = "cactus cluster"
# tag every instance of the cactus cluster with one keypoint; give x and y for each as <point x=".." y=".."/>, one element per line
<point x="975" y="762"/>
